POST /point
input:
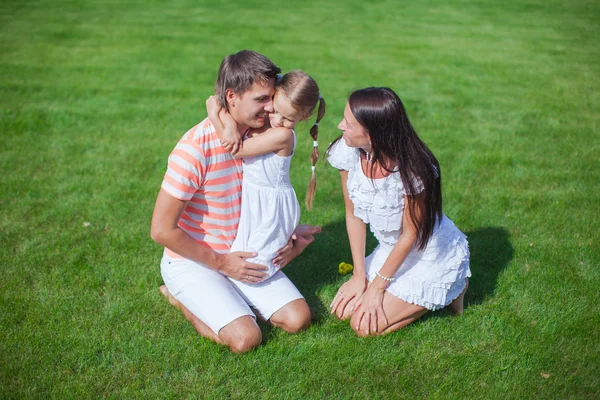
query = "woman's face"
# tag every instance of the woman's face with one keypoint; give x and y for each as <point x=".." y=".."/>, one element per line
<point x="354" y="134"/>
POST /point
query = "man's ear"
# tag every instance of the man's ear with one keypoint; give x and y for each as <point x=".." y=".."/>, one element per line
<point x="230" y="97"/>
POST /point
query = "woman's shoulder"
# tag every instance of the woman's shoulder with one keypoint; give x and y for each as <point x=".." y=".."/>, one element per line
<point x="341" y="156"/>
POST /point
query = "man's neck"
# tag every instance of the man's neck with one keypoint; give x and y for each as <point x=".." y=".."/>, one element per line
<point x="241" y="128"/>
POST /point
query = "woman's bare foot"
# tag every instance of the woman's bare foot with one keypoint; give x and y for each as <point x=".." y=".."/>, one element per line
<point x="458" y="304"/>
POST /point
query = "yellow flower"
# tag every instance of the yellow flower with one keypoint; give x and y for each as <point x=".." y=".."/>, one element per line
<point x="345" y="268"/>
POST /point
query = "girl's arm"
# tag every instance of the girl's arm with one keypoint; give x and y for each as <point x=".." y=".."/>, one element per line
<point x="370" y="305"/>
<point x="225" y="126"/>
<point x="271" y="141"/>
<point x="344" y="300"/>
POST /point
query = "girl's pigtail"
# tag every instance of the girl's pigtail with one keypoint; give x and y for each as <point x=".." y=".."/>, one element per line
<point x="314" y="155"/>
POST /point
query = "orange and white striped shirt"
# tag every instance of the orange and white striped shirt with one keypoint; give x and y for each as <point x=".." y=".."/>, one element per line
<point x="203" y="173"/>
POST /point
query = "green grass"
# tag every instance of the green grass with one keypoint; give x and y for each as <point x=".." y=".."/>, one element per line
<point x="94" y="95"/>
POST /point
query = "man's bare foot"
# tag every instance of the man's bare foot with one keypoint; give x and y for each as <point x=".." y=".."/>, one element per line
<point x="165" y="292"/>
<point x="458" y="304"/>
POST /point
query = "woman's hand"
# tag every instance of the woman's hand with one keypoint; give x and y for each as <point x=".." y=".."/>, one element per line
<point x="347" y="296"/>
<point x="369" y="309"/>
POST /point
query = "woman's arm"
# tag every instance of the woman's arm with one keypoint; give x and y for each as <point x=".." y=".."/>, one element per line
<point x="370" y="305"/>
<point x="357" y="232"/>
<point x="403" y="247"/>
<point x="343" y="301"/>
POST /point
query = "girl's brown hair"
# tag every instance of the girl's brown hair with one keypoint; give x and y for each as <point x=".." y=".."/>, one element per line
<point x="303" y="92"/>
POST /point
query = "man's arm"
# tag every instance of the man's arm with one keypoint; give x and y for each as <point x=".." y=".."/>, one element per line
<point x="165" y="231"/>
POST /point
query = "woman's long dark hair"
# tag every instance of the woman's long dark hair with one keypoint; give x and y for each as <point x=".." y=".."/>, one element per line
<point x="396" y="146"/>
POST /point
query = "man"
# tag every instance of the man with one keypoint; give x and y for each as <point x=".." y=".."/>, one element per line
<point x="196" y="216"/>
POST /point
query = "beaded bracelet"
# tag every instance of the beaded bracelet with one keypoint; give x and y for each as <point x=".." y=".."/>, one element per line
<point x="383" y="277"/>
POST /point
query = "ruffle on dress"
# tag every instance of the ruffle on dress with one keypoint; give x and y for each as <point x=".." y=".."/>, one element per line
<point x="378" y="202"/>
<point x="341" y="156"/>
<point x="431" y="278"/>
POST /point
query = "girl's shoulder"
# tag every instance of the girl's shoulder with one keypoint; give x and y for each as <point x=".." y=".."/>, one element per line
<point x="283" y="133"/>
<point x="283" y="136"/>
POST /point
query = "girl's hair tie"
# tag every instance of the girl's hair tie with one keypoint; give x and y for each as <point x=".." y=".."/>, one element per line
<point x="315" y="143"/>
<point x="316" y="124"/>
<point x="313" y="168"/>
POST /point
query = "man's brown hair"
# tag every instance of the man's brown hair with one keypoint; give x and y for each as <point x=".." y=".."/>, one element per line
<point x="240" y="70"/>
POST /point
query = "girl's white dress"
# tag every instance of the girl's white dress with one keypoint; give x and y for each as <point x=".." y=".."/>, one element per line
<point x="270" y="211"/>
<point x="430" y="278"/>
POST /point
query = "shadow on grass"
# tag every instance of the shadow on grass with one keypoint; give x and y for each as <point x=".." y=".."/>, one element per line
<point x="317" y="270"/>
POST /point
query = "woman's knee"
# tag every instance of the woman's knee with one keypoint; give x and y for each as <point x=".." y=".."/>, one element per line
<point x="346" y="314"/>
<point x="362" y="331"/>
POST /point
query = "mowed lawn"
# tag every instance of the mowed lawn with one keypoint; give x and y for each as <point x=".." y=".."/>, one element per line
<point x="95" y="94"/>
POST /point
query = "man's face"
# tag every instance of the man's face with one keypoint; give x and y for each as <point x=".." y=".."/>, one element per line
<point x="252" y="107"/>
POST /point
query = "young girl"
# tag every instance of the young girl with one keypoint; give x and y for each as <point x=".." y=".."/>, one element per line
<point x="270" y="209"/>
<point x="392" y="181"/>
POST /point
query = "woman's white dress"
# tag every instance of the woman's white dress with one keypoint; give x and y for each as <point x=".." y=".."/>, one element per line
<point x="430" y="278"/>
<point x="270" y="211"/>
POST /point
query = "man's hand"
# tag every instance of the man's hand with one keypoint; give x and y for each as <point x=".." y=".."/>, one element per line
<point x="235" y="266"/>
<point x="303" y="236"/>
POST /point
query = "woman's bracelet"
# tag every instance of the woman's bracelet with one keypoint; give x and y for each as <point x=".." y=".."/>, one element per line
<point x="383" y="277"/>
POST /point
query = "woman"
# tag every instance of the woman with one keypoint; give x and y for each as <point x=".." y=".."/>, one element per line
<point x="392" y="182"/>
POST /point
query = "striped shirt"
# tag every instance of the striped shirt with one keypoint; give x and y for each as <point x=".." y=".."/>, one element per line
<point x="203" y="173"/>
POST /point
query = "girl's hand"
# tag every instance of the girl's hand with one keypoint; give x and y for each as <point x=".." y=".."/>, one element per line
<point x="231" y="138"/>
<point x="303" y="236"/>
<point x="369" y="309"/>
<point x="347" y="296"/>
<point x="213" y="107"/>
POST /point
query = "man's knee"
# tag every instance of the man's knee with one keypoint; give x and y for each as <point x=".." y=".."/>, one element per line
<point x="294" y="317"/>
<point x="241" y="335"/>
<point x="245" y="343"/>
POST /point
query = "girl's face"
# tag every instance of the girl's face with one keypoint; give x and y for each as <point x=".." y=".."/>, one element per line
<point x="354" y="134"/>
<point x="284" y="114"/>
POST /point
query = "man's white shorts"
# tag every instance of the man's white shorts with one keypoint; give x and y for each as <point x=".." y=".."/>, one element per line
<point x="218" y="300"/>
